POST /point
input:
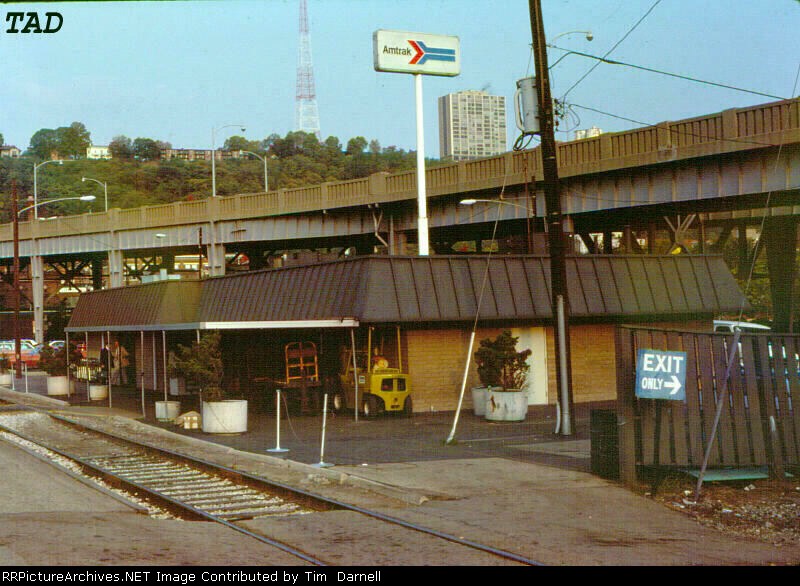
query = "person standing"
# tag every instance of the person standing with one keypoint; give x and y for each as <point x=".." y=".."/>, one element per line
<point x="120" y="364"/>
<point x="107" y="362"/>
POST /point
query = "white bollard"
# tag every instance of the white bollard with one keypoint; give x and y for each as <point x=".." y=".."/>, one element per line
<point x="278" y="449"/>
<point x="322" y="463"/>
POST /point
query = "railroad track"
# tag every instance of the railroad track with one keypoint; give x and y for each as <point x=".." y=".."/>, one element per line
<point x="194" y="489"/>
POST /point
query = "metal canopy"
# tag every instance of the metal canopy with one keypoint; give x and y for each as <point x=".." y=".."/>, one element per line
<point x="391" y="289"/>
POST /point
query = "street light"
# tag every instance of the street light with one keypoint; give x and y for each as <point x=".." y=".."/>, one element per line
<point x="214" y="156"/>
<point x="105" y="187"/>
<point x="15" y="214"/>
<point x="35" y="183"/>
<point x="266" y="184"/>
<point x="589" y="36"/>
<point x="471" y="201"/>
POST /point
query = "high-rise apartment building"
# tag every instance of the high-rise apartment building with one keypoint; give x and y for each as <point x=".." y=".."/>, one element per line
<point x="472" y="124"/>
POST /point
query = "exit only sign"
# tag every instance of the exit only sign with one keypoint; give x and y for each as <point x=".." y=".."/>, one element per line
<point x="661" y="374"/>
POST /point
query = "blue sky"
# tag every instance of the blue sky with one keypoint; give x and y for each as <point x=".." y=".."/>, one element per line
<point x="174" y="70"/>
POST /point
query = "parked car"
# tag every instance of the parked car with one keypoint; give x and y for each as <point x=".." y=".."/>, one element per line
<point x="29" y="353"/>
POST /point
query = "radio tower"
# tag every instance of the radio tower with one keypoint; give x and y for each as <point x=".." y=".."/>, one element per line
<point x="306" y="99"/>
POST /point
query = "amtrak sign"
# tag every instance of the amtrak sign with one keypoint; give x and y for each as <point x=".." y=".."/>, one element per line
<point x="661" y="374"/>
<point x="406" y="52"/>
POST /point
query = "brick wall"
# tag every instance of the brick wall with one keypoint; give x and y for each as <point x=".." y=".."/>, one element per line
<point x="435" y="361"/>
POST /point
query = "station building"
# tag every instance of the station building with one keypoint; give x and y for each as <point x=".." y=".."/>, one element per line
<point x="420" y="311"/>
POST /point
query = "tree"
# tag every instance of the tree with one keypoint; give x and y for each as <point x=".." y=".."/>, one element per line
<point x="2" y="140"/>
<point x="44" y="143"/>
<point x="240" y="143"/>
<point x="356" y="146"/>
<point x="146" y="149"/>
<point x="73" y="140"/>
<point x="121" y="148"/>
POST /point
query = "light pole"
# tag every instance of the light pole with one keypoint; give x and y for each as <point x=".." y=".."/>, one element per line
<point x="15" y="214"/>
<point x="35" y="184"/>
<point x="105" y="187"/>
<point x="214" y="156"/>
<point x="266" y="183"/>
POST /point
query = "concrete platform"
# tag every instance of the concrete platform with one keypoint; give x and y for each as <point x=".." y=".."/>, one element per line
<point x="517" y="486"/>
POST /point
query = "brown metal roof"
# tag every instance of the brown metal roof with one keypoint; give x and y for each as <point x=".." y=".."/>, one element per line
<point x="379" y="289"/>
<point x="162" y="305"/>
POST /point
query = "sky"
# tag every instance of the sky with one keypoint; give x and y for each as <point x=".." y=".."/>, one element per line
<point x="183" y="71"/>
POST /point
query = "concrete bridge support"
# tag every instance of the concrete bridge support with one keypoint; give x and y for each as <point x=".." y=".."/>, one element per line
<point x="216" y="259"/>
<point x="780" y="238"/>
<point x="115" y="268"/>
<point x="37" y="291"/>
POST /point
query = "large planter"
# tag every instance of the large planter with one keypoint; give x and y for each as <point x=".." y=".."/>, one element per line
<point x="167" y="410"/>
<point x="506" y="405"/>
<point x="57" y="385"/>
<point x="479" y="396"/>
<point x="229" y="416"/>
<point x="97" y="392"/>
<point x="5" y="379"/>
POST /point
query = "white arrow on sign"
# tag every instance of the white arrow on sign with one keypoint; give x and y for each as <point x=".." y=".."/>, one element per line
<point x="675" y="385"/>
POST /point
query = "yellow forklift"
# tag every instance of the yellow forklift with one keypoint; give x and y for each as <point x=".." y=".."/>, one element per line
<point x="367" y="380"/>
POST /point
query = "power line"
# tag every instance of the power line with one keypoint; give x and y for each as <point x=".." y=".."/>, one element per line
<point x="686" y="77"/>
<point x="611" y="50"/>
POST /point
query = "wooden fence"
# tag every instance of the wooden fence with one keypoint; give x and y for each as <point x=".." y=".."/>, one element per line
<point x="759" y="423"/>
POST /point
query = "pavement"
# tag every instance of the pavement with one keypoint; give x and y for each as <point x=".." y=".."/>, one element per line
<point x="517" y="486"/>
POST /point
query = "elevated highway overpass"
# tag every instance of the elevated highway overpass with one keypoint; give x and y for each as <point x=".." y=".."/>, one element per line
<point x="732" y="168"/>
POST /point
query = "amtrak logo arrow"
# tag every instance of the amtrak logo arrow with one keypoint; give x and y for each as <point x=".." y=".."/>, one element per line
<point x="675" y="385"/>
<point x="424" y="53"/>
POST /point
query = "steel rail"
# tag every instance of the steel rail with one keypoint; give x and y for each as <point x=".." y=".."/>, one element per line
<point x="193" y="512"/>
<point x="305" y="496"/>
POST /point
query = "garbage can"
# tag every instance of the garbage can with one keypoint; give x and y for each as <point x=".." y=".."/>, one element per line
<point x="604" y="443"/>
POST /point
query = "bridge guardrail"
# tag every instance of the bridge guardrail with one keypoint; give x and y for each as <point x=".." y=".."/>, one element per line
<point x="722" y="132"/>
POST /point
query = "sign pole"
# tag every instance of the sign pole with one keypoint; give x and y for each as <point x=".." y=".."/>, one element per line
<point x="422" y="205"/>
<point x="418" y="54"/>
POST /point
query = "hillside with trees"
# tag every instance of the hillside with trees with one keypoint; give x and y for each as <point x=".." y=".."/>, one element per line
<point x="137" y="176"/>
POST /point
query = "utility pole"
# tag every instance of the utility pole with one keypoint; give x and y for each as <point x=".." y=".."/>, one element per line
<point x="552" y="195"/>
<point x="17" y="342"/>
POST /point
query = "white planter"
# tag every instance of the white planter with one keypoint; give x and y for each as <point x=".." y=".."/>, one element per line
<point x="57" y="385"/>
<point x="506" y="406"/>
<point x="479" y="396"/>
<point x="97" y="392"/>
<point x="5" y="379"/>
<point x="167" y="410"/>
<point x="228" y="416"/>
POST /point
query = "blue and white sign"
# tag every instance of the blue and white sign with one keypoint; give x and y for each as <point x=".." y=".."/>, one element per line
<point x="661" y="374"/>
<point x="407" y="52"/>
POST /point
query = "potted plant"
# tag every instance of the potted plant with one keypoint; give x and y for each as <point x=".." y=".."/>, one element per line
<point x="489" y="376"/>
<point x="98" y="378"/>
<point x="506" y="371"/>
<point x="200" y="365"/>
<point x="177" y="384"/>
<point x="54" y="362"/>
